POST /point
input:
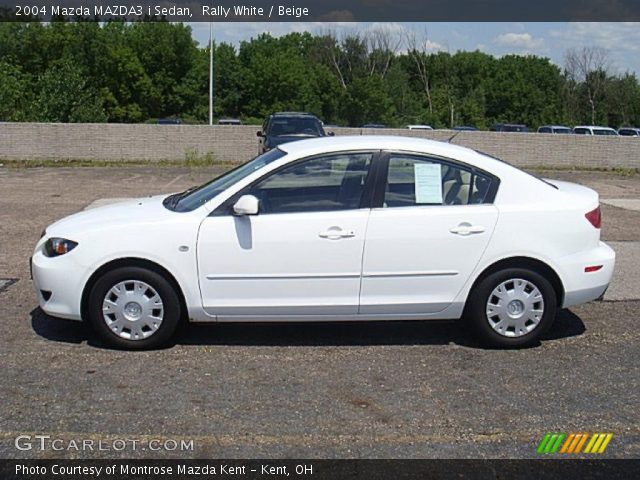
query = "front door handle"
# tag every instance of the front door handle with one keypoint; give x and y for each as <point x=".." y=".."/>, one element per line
<point x="466" y="228"/>
<point x="336" y="233"/>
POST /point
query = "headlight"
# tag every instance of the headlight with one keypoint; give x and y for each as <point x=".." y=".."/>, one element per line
<point x="54" y="247"/>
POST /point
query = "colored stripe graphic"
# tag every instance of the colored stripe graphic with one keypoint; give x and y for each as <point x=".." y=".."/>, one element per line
<point x="605" y="442"/>
<point x="598" y="443"/>
<point x="543" y="443"/>
<point x="570" y="439"/>
<point x="550" y="443"/>
<point x="583" y="439"/>
<point x="572" y="443"/>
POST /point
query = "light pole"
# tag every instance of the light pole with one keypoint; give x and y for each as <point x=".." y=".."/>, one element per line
<point x="210" y="73"/>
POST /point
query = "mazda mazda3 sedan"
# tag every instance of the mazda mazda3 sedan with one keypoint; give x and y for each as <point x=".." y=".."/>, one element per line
<point x="333" y="229"/>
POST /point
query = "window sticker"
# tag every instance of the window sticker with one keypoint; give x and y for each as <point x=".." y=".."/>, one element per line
<point x="428" y="183"/>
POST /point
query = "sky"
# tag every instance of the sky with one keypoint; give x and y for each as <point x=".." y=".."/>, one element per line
<point x="620" y="39"/>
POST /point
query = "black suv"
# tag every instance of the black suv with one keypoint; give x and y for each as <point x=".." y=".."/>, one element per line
<point x="283" y="127"/>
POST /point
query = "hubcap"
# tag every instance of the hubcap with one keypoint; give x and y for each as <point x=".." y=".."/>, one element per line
<point x="515" y="307"/>
<point x="133" y="310"/>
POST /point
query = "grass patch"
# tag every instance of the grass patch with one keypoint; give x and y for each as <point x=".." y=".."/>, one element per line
<point x="194" y="159"/>
<point x="191" y="162"/>
<point x="624" y="172"/>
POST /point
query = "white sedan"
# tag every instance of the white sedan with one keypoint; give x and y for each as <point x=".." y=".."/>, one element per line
<point x="333" y="229"/>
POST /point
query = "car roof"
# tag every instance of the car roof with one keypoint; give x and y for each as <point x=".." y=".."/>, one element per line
<point x="554" y="126"/>
<point x="328" y="145"/>
<point x="293" y="114"/>
<point x="594" y="126"/>
<point x="373" y="142"/>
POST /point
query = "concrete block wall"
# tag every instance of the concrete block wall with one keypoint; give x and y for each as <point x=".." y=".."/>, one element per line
<point x="120" y="142"/>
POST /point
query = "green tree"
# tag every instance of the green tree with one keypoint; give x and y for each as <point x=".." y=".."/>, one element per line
<point x="64" y="96"/>
<point x="15" y="93"/>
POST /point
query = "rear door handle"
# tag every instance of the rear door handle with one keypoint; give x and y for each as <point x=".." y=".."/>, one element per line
<point x="336" y="233"/>
<point x="466" y="228"/>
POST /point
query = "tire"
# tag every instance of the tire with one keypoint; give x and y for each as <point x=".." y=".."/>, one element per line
<point x="142" y="308"/>
<point x="511" y="308"/>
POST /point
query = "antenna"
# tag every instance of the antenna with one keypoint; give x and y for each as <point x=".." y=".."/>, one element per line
<point x="453" y="136"/>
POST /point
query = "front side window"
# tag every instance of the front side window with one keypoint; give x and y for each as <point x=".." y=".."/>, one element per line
<point x="326" y="183"/>
<point x="415" y="181"/>
<point x="582" y="131"/>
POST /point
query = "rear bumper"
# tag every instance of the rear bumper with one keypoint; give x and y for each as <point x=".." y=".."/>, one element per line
<point x="580" y="286"/>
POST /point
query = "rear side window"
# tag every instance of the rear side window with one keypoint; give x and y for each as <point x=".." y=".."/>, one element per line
<point x="582" y="131"/>
<point x="415" y="181"/>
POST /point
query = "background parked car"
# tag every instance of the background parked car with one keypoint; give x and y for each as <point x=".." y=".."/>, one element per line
<point x="283" y="127"/>
<point x="229" y="121"/>
<point x="419" y="127"/>
<point x="374" y="125"/>
<point x="554" y="129"/>
<point x="465" y="128"/>
<point x="169" y="121"/>
<point x="594" y="130"/>
<point x="629" y="132"/>
<point x="508" y="127"/>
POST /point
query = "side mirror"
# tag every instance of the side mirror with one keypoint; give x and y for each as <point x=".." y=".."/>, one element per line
<point x="246" y="205"/>
<point x="259" y="133"/>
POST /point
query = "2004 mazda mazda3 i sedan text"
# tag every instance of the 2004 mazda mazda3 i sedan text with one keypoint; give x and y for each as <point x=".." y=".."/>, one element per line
<point x="350" y="228"/>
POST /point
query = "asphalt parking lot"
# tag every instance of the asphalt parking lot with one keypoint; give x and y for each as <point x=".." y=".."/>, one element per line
<point x="375" y="390"/>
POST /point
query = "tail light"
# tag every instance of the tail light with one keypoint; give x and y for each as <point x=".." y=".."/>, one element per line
<point x="594" y="217"/>
<point x="592" y="268"/>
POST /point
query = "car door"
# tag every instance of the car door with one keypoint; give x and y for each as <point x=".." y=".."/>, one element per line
<point x="301" y="255"/>
<point x="433" y="221"/>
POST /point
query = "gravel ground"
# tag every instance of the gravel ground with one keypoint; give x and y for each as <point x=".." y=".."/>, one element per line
<point x="385" y="390"/>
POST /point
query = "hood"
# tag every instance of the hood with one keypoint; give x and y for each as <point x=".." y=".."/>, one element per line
<point x="136" y="211"/>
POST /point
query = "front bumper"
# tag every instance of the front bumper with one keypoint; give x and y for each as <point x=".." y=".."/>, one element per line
<point x="58" y="282"/>
<point x="582" y="287"/>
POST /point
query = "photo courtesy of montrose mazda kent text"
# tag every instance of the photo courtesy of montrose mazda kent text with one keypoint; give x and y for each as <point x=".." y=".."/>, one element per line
<point x="333" y="229"/>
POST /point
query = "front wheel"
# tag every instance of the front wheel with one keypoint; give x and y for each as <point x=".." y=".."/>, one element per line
<point x="512" y="307"/>
<point x="134" y="308"/>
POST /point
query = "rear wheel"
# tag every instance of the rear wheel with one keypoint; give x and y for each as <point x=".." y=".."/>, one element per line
<point x="512" y="307"/>
<point x="134" y="308"/>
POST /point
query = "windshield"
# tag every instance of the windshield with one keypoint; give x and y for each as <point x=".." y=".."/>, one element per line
<point x="195" y="197"/>
<point x="295" y="126"/>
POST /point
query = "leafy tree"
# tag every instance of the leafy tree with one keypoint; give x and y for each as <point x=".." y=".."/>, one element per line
<point x="136" y="72"/>
<point x="15" y="93"/>
<point x="64" y="96"/>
